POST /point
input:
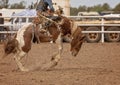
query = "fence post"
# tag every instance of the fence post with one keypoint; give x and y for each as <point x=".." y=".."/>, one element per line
<point x="102" y="29"/>
<point x="27" y="19"/>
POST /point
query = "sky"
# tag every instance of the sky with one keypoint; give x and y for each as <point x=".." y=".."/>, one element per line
<point x="77" y="3"/>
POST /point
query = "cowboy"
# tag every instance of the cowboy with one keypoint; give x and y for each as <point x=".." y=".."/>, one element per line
<point x="42" y="8"/>
<point x="43" y="5"/>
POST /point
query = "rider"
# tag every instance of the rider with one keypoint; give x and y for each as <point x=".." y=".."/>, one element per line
<point x="42" y="8"/>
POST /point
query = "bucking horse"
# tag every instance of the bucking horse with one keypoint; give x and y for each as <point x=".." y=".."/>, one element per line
<point x="21" y="43"/>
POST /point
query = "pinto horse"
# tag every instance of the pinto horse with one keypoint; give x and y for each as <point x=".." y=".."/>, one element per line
<point x="20" y="45"/>
<point x="67" y="27"/>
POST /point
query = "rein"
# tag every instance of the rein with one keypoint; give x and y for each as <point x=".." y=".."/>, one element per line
<point x="39" y="15"/>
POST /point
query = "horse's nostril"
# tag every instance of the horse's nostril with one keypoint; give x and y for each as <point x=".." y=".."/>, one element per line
<point x="73" y="53"/>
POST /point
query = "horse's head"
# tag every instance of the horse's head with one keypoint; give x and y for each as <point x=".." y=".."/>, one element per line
<point x="59" y="11"/>
<point x="10" y="46"/>
<point x="76" y="43"/>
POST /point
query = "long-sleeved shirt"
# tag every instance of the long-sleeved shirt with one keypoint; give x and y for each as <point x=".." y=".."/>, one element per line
<point x="44" y="4"/>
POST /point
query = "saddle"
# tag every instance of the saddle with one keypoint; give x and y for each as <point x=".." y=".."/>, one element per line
<point x="54" y="18"/>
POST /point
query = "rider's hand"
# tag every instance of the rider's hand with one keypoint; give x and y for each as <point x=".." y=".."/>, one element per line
<point x="50" y="12"/>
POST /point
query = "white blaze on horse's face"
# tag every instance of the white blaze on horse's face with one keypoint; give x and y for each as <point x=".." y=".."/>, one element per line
<point x="20" y="35"/>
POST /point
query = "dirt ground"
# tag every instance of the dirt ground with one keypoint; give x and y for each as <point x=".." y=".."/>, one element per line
<point x="96" y="64"/>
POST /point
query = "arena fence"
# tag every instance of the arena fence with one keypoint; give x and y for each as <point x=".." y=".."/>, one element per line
<point x="78" y="19"/>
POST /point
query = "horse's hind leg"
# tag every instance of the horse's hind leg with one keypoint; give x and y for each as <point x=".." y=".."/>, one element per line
<point x="17" y="56"/>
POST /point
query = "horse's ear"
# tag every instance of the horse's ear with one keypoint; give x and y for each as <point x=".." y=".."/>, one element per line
<point x="59" y="7"/>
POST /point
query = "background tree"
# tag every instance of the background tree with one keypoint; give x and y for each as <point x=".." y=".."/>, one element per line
<point x="4" y="4"/>
<point x="97" y="8"/>
<point x="73" y="11"/>
<point x="82" y="8"/>
<point x="106" y="7"/>
<point x="117" y="8"/>
<point x="31" y="6"/>
<point x="20" y="5"/>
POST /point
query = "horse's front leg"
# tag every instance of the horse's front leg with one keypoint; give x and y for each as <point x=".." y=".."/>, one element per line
<point x="17" y="58"/>
<point x="55" y="58"/>
<point x="21" y="55"/>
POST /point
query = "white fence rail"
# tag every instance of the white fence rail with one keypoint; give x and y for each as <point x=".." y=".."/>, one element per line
<point x="101" y="18"/>
<point x="102" y="24"/>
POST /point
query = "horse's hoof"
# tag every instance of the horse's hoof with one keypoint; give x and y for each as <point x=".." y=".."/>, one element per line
<point x="51" y="42"/>
<point x="45" y="68"/>
<point x="49" y="65"/>
<point x="25" y="70"/>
